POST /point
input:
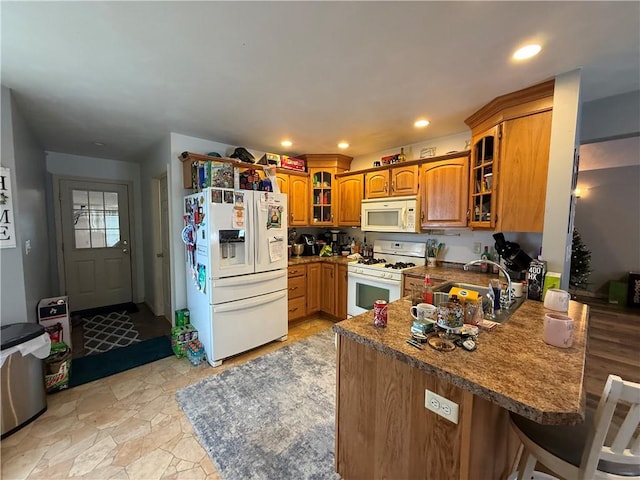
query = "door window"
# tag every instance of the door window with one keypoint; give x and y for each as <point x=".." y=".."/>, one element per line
<point x="96" y="219"/>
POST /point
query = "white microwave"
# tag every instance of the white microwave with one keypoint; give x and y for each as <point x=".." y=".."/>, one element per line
<point x="390" y="214"/>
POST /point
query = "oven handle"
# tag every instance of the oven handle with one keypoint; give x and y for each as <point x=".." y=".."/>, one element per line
<point x="374" y="279"/>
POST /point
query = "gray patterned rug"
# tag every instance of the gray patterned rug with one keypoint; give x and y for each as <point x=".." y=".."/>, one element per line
<point x="270" y="418"/>
<point x="104" y="332"/>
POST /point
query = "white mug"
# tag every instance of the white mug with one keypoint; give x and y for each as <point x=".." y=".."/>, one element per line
<point x="556" y="299"/>
<point x="517" y="289"/>
<point x="558" y="330"/>
<point x="424" y="312"/>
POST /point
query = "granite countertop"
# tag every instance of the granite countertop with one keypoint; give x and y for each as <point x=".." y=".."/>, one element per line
<point x="511" y="367"/>
<point x="316" y="258"/>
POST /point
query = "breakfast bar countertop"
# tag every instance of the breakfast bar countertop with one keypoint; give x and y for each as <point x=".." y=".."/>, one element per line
<point x="511" y="367"/>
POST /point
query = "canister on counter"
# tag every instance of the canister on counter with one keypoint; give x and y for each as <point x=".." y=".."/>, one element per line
<point x="380" y="313"/>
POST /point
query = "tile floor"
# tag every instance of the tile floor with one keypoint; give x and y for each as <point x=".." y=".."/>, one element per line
<point x="127" y="426"/>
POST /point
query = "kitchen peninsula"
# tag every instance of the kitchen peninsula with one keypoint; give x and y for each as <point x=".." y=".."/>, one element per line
<point x="383" y="429"/>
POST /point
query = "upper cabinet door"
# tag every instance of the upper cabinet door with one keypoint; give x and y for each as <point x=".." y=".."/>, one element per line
<point x="404" y="180"/>
<point x="298" y="201"/>
<point x="483" y="179"/>
<point x="283" y="183"/>
<point x="524" y="162"/>
<point x="323" y="199"/>
<point x="350" y="193"/>
<point x="377" y="184"/>
<point x="444" y="187"/>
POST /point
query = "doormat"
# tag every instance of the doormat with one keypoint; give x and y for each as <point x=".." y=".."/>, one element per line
<point x="128" y="307"/>
<point x="272" y="417"/>
<point x="104" y="332"/>
<point x="93" y="367"/>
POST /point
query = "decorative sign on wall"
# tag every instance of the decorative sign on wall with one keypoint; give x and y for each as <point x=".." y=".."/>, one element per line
<point x="7" y="227"/>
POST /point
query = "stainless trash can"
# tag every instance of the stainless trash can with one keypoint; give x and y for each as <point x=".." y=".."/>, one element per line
<point x="23" y="396"/>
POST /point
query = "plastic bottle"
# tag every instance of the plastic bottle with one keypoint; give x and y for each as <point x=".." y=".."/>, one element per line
<point x="494" y="256"/>
<point x="484" y="267"/>
<point x="427" y="290"/>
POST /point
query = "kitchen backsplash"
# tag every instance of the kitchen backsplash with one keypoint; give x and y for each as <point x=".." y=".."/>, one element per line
<point x="459" y="244"/>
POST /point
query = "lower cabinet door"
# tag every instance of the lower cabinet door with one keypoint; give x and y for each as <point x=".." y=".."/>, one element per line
<point x="313" y="288"/>
<point x="296" y="308"/>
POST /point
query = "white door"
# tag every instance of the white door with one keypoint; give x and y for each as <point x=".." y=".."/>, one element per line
<point x="164" y="229"/>
<point x="96" y="243"/>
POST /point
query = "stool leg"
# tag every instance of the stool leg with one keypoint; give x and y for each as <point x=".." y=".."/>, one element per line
<point x="526" y="466"/>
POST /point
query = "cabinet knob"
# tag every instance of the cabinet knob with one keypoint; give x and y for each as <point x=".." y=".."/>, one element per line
<point x="385" y="186"/>
<point x="392" y="186"/>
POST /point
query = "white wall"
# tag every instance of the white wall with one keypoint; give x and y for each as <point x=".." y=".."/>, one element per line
<point x="611" y="117"/>
<point x="559" y="203"/>
<point x="608" y="221"/>
<point x="25" y="276"/>
<point x="442" y="145"/>
<point x="63" y="164"/>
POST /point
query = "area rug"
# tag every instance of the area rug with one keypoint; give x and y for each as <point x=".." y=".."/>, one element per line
<point x="104" y="332"/>
<point x="92" y="367"/>
<point x="272" y="417"/>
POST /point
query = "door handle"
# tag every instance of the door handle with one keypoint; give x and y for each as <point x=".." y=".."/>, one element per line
<point x="125" y="250"/>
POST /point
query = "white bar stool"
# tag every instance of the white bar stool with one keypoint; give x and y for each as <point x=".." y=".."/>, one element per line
<point x="583" y="452"/>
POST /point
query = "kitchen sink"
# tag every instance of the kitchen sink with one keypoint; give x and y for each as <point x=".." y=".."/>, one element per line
<point x="441" y="295"/>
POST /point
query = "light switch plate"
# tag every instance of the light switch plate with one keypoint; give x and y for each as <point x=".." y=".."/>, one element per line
<point x="440" y="405"/>
<point x="477" y="247"/>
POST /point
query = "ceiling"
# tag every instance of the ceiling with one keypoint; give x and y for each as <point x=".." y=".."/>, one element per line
<point x="252" y="74"/>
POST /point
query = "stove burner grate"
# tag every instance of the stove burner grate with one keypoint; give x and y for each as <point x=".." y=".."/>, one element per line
<point x="371" y="261"/>
<point x="400" y="265"/>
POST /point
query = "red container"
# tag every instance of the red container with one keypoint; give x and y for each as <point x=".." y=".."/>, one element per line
<point x="380" y="313"/>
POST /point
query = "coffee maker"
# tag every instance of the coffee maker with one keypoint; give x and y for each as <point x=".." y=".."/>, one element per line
<point x="310" y="246"/>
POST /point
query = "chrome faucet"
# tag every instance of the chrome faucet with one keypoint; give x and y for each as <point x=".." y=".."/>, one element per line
<point x="506" y="274"/>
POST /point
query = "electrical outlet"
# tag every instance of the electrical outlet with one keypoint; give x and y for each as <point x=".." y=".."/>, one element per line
<point x="477" y="247"/>
<point x="440" y="405"/>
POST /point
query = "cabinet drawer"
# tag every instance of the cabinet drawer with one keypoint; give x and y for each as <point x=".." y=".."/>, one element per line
<point x="296" y="271"/>
<point x="297" y="287"/>
<point x="409" y="282"/>
<point x="296" y="308"/>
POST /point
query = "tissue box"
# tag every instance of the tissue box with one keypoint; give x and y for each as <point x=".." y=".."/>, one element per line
<point x="551" y="280"/>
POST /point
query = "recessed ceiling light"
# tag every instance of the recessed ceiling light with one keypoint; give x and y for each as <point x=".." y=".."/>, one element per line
<point x="286" y="143"/>
<point x="343" y="145"/>
<point x="99" y="144"/>
<point x="421" y="123"/>
<point x="527" y="51"/>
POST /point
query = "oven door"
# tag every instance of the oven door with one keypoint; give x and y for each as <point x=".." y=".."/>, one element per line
<point x="363" y="290"/>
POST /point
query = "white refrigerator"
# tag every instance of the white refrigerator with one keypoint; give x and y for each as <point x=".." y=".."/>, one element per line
<point x="236" y="260"/>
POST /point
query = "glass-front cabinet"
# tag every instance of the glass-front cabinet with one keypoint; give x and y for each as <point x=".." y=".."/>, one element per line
<point x="322" y="197"/>
<point x="482" y="186"/>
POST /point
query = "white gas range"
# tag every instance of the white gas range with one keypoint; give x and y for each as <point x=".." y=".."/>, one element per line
<point x="380" y="278"/>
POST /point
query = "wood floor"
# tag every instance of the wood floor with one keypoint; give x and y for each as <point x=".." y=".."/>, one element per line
<point x="613" y="346"/>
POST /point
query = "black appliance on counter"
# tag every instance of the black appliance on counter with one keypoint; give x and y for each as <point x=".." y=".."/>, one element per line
<point x="516" y="260"/>
<point x="310" y="245"/>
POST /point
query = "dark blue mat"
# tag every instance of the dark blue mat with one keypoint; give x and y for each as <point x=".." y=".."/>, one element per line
<point x="92" y="367"/>
<point x="129" y="307"/>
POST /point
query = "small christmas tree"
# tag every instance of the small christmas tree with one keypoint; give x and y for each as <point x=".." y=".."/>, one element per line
<point x="580" y="263"/>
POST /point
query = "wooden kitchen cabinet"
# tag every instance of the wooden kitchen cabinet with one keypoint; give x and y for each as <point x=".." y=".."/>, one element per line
<point x="296" y="186"/>
<point x="327" y="288"/>
<point x="350" y="192"/>
<point x="341" y="292"/>
<point x="510" y="159"/>
<point x="297" y="288"/>
<point x="392" y="181"/>
<point x="313" y="288"/>
<point x="322" y="169"/>
<point x="444" y="192"/>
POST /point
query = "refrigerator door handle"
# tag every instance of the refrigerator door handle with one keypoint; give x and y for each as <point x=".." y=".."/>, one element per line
<point x="250" y="302"/>
<point x="247" y="279"/>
